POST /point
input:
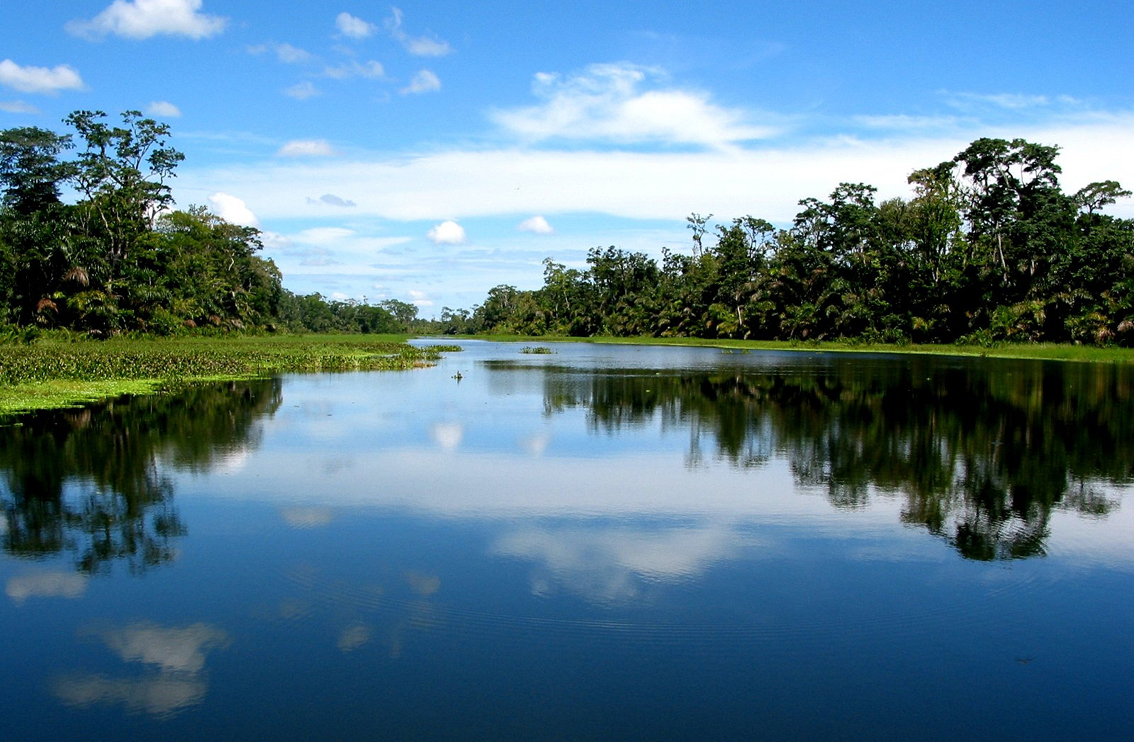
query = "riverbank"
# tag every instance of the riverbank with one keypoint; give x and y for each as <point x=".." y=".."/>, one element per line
<point x="53" y="373"/>
<point x="1021" y="351"/>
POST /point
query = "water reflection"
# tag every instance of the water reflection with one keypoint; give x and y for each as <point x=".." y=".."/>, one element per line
<point x="173" y="680"/>
<point x="615" y="565"/>
<point x="982" y="453"/>
<point x="91" y="482"/>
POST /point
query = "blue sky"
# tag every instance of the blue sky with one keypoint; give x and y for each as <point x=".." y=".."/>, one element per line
<point x="428" y="151"/>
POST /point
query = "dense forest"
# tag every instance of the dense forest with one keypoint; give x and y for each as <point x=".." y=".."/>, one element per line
<point x="988" y="248"/>
<point x="121" y="259"/>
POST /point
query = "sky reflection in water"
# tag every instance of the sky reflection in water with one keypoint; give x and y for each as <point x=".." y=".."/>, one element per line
<point x="603" y="542"/>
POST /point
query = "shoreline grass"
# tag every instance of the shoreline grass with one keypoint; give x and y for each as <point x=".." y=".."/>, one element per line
<point x="53" y="373"/>
<point x="1019" y="351"/>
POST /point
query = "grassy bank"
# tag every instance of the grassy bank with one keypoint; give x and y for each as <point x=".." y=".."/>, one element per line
<point x="1034" y="351"/>
<point x="58" y="373"/>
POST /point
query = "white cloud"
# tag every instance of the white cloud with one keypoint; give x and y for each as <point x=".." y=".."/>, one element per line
<point x="39" y="79"/>
<point x="143" y="19"/>
<point x="289" y="54"/>
<point x="306" y="148"/>
<point x="423" y="46"/>
<point x="302" y="91"/>
<point x="423" y="82"/>
<point x="608" y="103"/>
<point x="536" y="225"/>
<point x="447" y="232"/>
<point x="370" y="69"/>
<point x="17" y="106"/>
<point x="420" y="298"/>
<point x="46" y="585"/>
<point x="353" y="27"/>
<point x="233" y="210"/>
<point x="419" y="46"/>
<point x="767" y="182"/>
<point x="164" y="109"/>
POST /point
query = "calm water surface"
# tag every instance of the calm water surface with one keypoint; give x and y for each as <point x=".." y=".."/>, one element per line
<point x="603" y="543"/>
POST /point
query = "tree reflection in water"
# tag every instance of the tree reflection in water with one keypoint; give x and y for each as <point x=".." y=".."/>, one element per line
<point x="87" y="482"/>
<point x="982" y="452"/>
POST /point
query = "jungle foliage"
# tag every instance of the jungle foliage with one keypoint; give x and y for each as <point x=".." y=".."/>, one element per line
<point x="989" y="248"/>
<point x="121" y="259"/>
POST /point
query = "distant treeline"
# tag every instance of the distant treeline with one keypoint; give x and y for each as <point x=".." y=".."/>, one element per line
<point x="120" y="260"/>
<point x="988" y="249"/>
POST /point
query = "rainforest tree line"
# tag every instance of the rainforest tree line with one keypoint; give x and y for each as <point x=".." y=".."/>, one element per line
<point x="119" y="258"/>
<point x="988" y="248"/>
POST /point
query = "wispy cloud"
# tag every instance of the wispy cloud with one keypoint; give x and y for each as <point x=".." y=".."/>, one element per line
<point x="306" y="148"/>
<point x="424" y="81"/>
<point x="331" y="199"/>
<point x="302" y="90"/>
<point x="46" y="80"/>
<point x="616" y="103"/>
<point x="370" y="69"/>
<point x="143" y="19"/>
<point x="17" y="106"/>
<point x="420" y="46"/>
<point x="285" y="53"/>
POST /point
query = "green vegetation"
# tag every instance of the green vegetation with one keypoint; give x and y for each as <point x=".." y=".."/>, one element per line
<point x="989" y="250"/>
<point x="120" y="259"/>
<point x="57" y="373"/>
<point x="538" y="350"/>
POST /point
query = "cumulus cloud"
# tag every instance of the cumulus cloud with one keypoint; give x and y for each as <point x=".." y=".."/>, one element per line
<point x="447" y="232"/>
<point x="39" y="79"/>
<point x="233" y="210"/>
<point x="423" y="82"/>
<point x="536" y="225"/>
<point x="370" y="69"/>
<point x="302" y="91"/>
<point x="306" y="148"/>
<point x="611" y="102"/>
<point x="143" y="19"/>
<point x="17" y="106"/>
<point x="46" y="585"/>
<point x="419" y="46"/>
<point x="352" y="27"/>
<point x="162" y="108"/>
